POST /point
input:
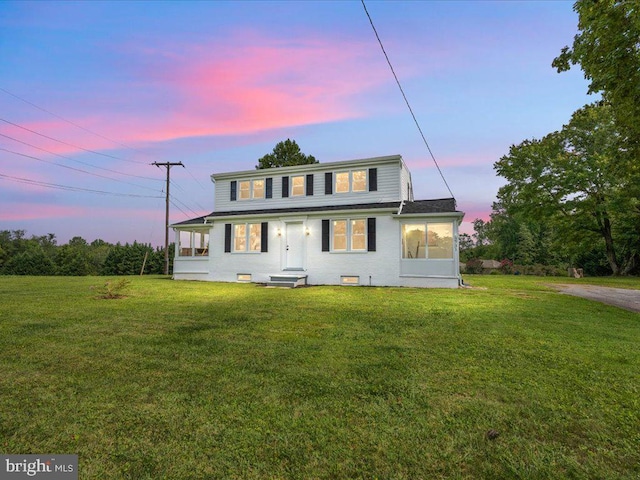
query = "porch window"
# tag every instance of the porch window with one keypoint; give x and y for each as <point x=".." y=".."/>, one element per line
<point x="414" y="241"/>
<point x="247" y="237"/>
<point x="440" y="240"/>
<point x="193" y="243"/>
<point x="427" y="240"/>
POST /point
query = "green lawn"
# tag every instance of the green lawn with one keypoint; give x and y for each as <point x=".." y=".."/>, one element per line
<point x="206" y="380"/>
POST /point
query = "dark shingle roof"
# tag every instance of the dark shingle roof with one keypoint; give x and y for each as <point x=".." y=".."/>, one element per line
<point x="445" y="205"/>
<point x="429" y="206"/>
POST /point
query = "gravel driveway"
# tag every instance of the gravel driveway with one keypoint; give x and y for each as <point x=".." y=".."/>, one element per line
<point x="619" y="297"/>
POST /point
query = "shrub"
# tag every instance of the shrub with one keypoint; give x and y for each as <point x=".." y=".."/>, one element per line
<point x="113" y="289"/>
<point x="474" y="265"/>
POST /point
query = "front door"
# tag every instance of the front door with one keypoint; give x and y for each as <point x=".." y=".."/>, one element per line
<point x="294" y="248"/>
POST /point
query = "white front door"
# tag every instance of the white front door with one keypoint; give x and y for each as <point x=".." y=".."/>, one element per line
<point x="294" y="247"/>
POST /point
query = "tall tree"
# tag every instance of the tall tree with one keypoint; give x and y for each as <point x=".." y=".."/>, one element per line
<point x="608" y="51"/>
<point x="285" y="153"/>
<point x="575" y="179"/>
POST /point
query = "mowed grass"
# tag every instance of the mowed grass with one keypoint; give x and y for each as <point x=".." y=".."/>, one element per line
<point x="185" y="380"/>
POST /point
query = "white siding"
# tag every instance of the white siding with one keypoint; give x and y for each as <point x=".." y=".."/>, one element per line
<point x="390" y="185"/>
<point x="379" y="268"/>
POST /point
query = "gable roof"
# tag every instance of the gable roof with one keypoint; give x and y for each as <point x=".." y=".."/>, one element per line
<point x="444" y="205"/>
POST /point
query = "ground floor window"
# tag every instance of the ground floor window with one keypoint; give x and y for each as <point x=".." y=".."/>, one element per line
<point x="349" y="235"/>
<point x="193" y="243"/>
<point x="427" y="240"/>
<point x="247" y="237"/>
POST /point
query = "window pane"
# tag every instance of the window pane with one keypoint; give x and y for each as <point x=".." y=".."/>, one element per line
<point x="359" y="181"/>
<point x="342" y="182"/>
<point x="258" y="189"/>
<point x="414" y="240"/>
<point x="340" y="235"/>
<point x="255" y="230"/>
<point x="358" y="235"/>
<point x="440" y="236"/>
<point x="297" y="186"/>
<point x="245" y="190"/>
<point x="240" y="238"/>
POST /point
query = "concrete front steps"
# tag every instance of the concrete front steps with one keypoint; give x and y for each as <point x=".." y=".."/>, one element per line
<point x="287" y="280"/>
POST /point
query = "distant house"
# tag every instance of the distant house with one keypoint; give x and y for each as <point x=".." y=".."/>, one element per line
<point x="488" y="266"/>
<point x="343" y="223"/>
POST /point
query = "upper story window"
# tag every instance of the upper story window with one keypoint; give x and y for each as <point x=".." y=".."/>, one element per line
<point x="354" y="181"/>
<point x="245" y="190"/>
<point x="248" y="189"/>
<point x="297" y="186"/>
<point x="258" y="189"/>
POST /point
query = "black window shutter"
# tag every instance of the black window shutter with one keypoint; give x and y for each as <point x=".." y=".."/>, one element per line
<point x="269" y="188"/>
<point x="310" y="184"/>
<point x="328" y="183"/>
<point x="264" y="237"/>
<point x="227" y="237"/>
<point x="325" y="235"/>
<point x="285" y="187"/>
<point x="371" y="234"/>
<point x="373" y="179"/>
<point x="234" y="189"/>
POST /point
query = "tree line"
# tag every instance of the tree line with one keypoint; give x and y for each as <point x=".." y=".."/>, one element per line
<point x="572" y="198"/>
<point x="41" y="255"/>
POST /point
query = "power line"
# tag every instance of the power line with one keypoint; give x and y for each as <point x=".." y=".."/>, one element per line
<point x="73" y="189"/>
<point x="74" y="169"/>
<point x="75" y="160"/>
<point x="72" y="123"/>
<point x="406" y="100"/>
<point x="83" y="149"/>
<point x="70" y="144"/>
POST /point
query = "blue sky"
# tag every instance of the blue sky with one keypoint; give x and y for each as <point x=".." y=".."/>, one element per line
<point x="91" y="93"/>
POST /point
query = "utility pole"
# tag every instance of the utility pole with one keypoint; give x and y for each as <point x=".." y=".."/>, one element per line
<point x="168" y="166"/>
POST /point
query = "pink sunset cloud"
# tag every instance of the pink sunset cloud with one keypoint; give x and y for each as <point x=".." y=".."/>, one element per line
<point x="247" y="88"/>
<point x="35" y="211"/>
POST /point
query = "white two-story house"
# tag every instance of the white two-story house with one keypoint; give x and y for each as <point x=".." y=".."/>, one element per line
<point x="341" y="223"/>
